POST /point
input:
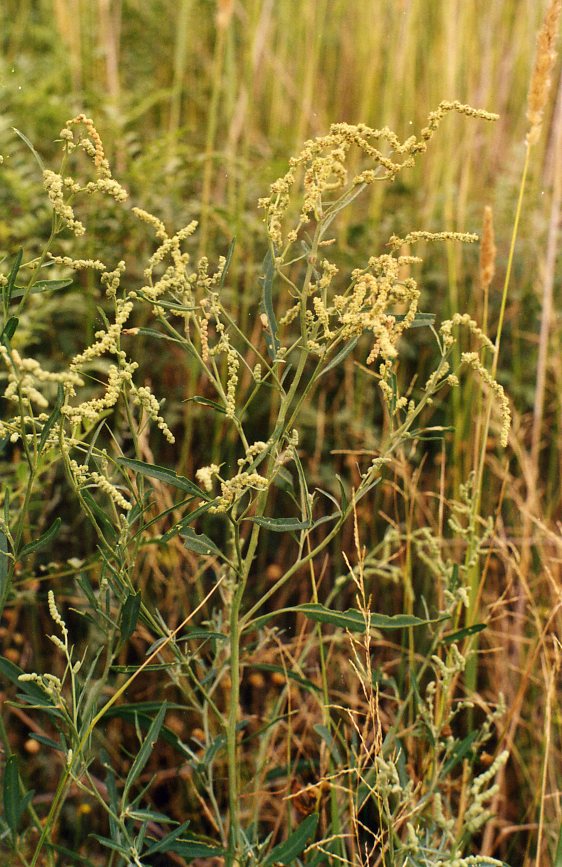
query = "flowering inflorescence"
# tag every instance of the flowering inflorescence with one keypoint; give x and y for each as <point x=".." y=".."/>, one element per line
<point x="62" y="188"/>
<point x="167" y="276"/>
<point x="25" y="374"/>
<point x="378" y="301"/>
<point x="52" y="685"/>
<point x="29" y="385"/>
<point x="323" y="162"/>
<point x="84" y="477"/>
<point x="245" y="480"/>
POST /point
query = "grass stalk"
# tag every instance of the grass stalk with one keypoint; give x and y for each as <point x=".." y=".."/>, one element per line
<point x="548" y="277"/>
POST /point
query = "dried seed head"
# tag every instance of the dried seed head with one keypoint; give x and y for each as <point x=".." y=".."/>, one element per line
<point x="542" y="70"/>
<point x="487" y="250"/>
<point x="225" y="8"/>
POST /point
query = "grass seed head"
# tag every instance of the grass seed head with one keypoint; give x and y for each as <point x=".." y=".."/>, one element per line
<point x="544" y="63"/>
<point x="487" y="250"/>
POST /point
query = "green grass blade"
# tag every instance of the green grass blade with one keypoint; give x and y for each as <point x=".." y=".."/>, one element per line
<point x="286" y="852"/>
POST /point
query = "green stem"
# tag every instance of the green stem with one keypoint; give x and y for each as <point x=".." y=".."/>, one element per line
<point x="231" y="739"/>
<point x="474" y="574"/>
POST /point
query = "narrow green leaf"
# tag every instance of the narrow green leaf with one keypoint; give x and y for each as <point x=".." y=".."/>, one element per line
<point x="12" y="672"/>
<point x="163" y="474"/>
<point x="99" y="514"/>
<point x="339" y="356"/>
<point x="9" y="288"/>
<point x="464" y="633"/>
<point x="351" y="619"/>
<point x="4" y="565"/>
<point x="186" y="521"/>
<point x="86" y="587"/>
<point x="364" y="491"/>
<point x="282" y="525"/>
<point x="286" y="852"/>
<point x="9" y="330"/>
<point x="158" y="335"/>
<point x="134" y="715"/>
<point x="194" y="849"/>
<point x="218" y="744"/>
<point x="344" y="497"/>
<point x="169" y="305"/>
<point x="110" y="844"/>
<point x="130" y="669"/>
<point x="144" y="753"/>
<point x="162" y="845"/>
<point x="305" y="499"/>
<point x="130" y="615"/>
<point x="42" y="703"/>
<point x="266" y="306"/>
<point x="42" y="286"/>
<point x="283" y="479"/>
<point x="152" y="816"/>
<point x="197" y="633"/>
<point x="325" y="519"/>
<point x="42" y="541"/>
<point x="11" y="793"/>
<point x="330" y="497"/>
<point x="228" y="260"/>
<point x="52" y="420"/>
<point x="205" y="401"/>
<point x="420" y="319"/>
<point x="25" y="139"/>
<point x="330" y="741"/>
<point x="199" y="543"/>
<point x="47" y="742"/>
<point x="72" y="855"/>
<point x="112" y="796"/>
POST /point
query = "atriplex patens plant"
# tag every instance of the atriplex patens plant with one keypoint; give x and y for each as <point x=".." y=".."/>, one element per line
<point x="313" y="318"/>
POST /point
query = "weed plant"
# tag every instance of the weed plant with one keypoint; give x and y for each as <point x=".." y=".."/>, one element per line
<point x="395" y="775"/>
<point x="263" y="523"/>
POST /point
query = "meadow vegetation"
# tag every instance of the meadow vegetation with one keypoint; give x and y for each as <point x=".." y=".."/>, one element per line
<point x="280" y="433"/>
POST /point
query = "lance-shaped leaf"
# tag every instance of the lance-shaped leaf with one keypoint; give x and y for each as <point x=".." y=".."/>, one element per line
<point x="42" y="541"/>
<point x="4" y="565"/>
<point x="53" y="418"/>
<point x="282" y="525"/>
<point x="41" y="286"/>
<point x="352" y="619"/>
<point x="144" y="753"/>
<point x="266" y="306"/>
<point x="199" y="543"/>
<point x="9" y="287"/>
<point x="9" y="330"/>
<point x="130" y="615"/>
<point x="291" y="848"/>
<point x="163" y="474"/>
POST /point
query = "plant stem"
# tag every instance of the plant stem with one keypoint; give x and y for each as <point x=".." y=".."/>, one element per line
<point x="474" y="572"/>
